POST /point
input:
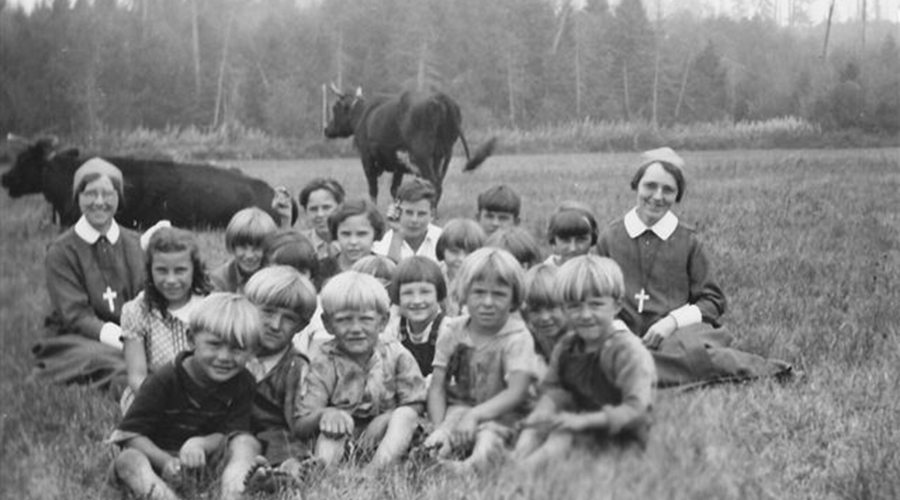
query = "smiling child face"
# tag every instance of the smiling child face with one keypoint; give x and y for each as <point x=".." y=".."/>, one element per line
<point x="215" y="360"/>
<point x="356" y="331"/>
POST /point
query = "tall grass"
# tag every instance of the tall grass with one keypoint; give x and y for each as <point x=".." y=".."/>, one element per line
<point x="807" y="249"/>
<point x="593" y="136"/>
<point x="234" y="141"/>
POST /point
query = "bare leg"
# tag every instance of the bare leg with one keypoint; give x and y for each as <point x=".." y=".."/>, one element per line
<point x="451" y="418"/>
<point x="242" y="452"/>
<point x="330" y="450"/>
<point x="557" y="445"/>
<point x="488" y="446"/>
<point x="372" y="434"/>
<point x="529" y="440"/>
<point x="135" y="470"/>
<point x="396" y="438"/>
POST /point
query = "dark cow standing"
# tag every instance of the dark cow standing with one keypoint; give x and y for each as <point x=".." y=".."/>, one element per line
<point x="196" y="196"/>
<point x="422" y="125"/>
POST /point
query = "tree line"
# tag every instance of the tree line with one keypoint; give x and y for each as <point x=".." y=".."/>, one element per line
<point x="74" y="68"/>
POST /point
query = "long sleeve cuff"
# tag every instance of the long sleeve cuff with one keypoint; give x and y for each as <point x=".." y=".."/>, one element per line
<point x="111" y="335"/>
<point x="687" y="315"/>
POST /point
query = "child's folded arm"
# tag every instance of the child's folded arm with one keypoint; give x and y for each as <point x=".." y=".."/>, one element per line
<point x="552" y="400"/>
<point x="437" y="396"/>
<point x="411" y="390"/>
<point x="209" y="443"/>
<point x="518" y="356"/>
<point x="294" y="380"/>
<point x="313" y="399"/>
<point x="634" y="372"/>
<point x="133" y="348"/>
<point x="239" y="415"/>
<point x="544" y="409"/>
<point x="505" y="401"/>
<point x="194" y="451"/>
<point x="157" y="456"/>
<point x="308" y="424"/>
<point x="145" y="415"/>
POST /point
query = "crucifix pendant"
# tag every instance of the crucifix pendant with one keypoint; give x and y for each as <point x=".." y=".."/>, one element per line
<point x="110" y="296"/>
<point x="641" y="297"/>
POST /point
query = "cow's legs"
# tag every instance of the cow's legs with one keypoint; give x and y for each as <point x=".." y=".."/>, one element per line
<point x="396" y="180"/>
<point x="371" y="179"/>
<point x="442" y="164"/>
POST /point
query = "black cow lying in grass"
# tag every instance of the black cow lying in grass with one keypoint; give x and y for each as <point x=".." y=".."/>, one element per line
<point x="188" y="195"/>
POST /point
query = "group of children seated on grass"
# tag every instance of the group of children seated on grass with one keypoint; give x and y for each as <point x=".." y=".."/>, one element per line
<point x="350" y="341"/>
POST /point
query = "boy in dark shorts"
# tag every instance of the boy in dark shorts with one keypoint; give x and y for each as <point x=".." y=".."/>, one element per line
<point x="287" y="301"/>
<point x="192" y="412"/>
<point x="598" y="391"/>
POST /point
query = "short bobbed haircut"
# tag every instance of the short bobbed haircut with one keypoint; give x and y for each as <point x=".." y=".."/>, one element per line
<point x="586" y="276"/>
<point x="417" y="189"/>
<point x="354" y="291"/>
<point x="249" y="226"/>
<point x="379" y="266"/>
<point x="173" y="240"/>
<point x="415" y="269"/>
<point x="519" y="242"/>
<point x="353" y="208"/>
<point x="490" y="263"/>
<point x="571" y="221"/>
<point x="286" y="247"/>
<point x="229" y="316"/>
<point x="460" y="234"/>
<point x="500" y="198"/>
<point x="322" y="184"/>
<point x="540" y="287"/>
<point x="673" y="170"/>
<point x="283" y="287"/>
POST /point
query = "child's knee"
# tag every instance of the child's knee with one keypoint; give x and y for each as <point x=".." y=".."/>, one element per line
<point x="130" y="462"/>
<point x="330" y="442"/>
<point x="490" y="438"/>
<point x="405" y="415"/>
<point x="244" y="446"/>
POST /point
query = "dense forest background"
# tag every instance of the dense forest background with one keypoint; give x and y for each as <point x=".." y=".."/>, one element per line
<point x="79" y="68"/>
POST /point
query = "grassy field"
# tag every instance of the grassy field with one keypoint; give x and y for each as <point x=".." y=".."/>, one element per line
<point x="807" y="247"/>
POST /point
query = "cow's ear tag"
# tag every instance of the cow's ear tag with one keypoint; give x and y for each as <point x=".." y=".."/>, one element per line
<point x="358" y="92"/>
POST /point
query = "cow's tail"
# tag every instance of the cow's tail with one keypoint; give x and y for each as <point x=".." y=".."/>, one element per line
<point x="480" y="155"/>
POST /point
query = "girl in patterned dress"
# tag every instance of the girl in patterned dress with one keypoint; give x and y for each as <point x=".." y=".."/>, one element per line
<point x="155" y="323"/>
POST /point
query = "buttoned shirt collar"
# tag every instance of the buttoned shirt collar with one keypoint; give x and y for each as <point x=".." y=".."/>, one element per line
<point x="426" y="249"/>
<point x="663" y="228"/>
<point x="428" y="246"/>
<point x="86" y="231"/>
<point x="324" y="249"/>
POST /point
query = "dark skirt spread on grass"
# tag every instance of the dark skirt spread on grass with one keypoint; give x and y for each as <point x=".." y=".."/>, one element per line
<point x="701" y="355"/>
<point x="88" y="283"/>
<point x="74" y="359"/>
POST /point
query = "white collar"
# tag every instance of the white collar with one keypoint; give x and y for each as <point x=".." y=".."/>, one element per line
<point x="183" y="313"/>
<point x="421" y="337"/>
<point x="663" y="228"/>
<point x="86" y="231"/>
<point x="432" y="235"/>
